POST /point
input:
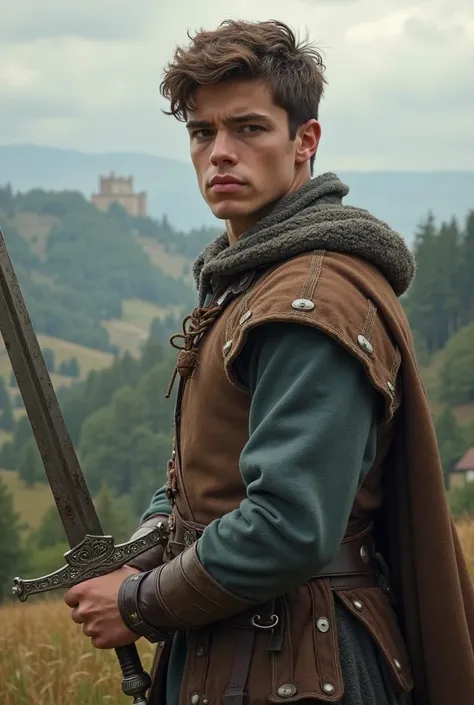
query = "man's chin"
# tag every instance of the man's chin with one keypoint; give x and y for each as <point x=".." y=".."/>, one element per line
<point x="229" y="211"/>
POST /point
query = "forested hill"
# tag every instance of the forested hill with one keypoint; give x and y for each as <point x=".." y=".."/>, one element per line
<point x="399" y="198"/>
<point x="80" y="266"/>
<point x="77" y="265"/>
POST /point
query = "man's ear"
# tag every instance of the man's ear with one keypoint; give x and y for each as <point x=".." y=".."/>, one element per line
<point x="308" y="136"/>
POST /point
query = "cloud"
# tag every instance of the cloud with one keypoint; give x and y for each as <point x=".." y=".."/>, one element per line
<point x="29" y="20"/>
<point x="400" y="93"/>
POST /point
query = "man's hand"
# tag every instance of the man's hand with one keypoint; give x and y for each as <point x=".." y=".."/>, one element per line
<point x="95" y="605"/>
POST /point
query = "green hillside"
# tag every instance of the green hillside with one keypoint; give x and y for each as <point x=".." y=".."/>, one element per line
<point x="96" y="279"/>
<point x="106" y="291"/>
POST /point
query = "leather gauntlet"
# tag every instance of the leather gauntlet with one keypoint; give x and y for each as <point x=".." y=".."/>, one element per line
<point x="154" y="556"/>
<point x="176" y="596"/>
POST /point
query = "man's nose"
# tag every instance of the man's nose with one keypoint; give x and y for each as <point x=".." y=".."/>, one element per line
<point x="223" y="150"/>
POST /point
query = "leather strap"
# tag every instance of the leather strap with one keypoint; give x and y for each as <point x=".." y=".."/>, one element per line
<point x="235" y="691"/>
<point x="355" y="565"/>
<point x="130" y="612"/>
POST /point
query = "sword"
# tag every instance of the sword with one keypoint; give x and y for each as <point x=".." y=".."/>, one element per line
<point x="92" y="554"/>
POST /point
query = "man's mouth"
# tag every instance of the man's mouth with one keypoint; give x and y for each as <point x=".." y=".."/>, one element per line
<point x="225" y="184"/>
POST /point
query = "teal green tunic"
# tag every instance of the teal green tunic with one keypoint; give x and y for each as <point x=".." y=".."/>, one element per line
<point x="312" y="439"/>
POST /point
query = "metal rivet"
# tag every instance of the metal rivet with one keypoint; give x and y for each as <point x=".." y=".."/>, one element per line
<point x="323" y="624"/>
<point x="303" y="304"/>
<point x="358" y="605"/>
<point x="245" y="317"/>
<point x="364" y="343"/>
<point x="195" y="698"/>
<point x="286" y="690"/>
<point x="328" y="688"/>
<point x="133" y="616"/>
<point x="227" y="347"/>
<point x="398" y="665"/>
<point x="200" y="651"/>
<point x="205" y="701"/>
<point x="364" y="554"/>
<point x="391" y="388"/>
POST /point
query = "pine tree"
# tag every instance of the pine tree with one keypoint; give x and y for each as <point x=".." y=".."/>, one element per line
<point x="30" y="467"/>
<point x="422" y="300"/>
<point x="7" y="456"/>
<point x="6" y="415"/>
<point x="50" y="531"/>
<point x="449" y="251"/>
<point x="451" y="441"/>
<point x="4" y="396"/>
<point x="114" y="514"/>
<point x="466" y="272"/>
<point x="74" y="367"/>
<point x="50" y="359"/>
<point x="12" y="557"/>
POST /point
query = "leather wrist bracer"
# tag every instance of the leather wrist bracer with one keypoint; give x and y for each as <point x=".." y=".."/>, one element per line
<point x="176" y="596"/>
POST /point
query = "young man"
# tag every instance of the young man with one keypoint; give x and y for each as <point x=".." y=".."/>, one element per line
<point x="305" y="461"/>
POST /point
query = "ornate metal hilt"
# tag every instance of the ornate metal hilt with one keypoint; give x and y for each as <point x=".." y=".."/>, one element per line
<point x="92" y="557"/>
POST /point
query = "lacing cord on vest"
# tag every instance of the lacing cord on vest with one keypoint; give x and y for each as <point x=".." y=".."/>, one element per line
<point x="194" y="325"/>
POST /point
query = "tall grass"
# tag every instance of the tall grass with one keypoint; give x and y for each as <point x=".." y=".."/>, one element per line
<point x="46" y="660"/>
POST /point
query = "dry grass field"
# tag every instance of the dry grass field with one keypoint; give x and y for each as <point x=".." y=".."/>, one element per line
<point x="29" y="502"/>
<point x="46" y="660"/>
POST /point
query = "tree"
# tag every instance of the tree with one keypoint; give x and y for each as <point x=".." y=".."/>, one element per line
<point x="30" y="466"/>
<point x="466" y="270"/>
<point x="447" y="284"/>
<point x="4" y="396"/>
<point x="74" y="367"/>
<point x="12" y="557"/>
<point x="422" y="301"/>
<point x="456" y="375"/>
<point x="114" y="514"/>
<point x="451" y="441"/>
<point x="7" y="456"/>
<point x="50" y="359"/>
<point x="50" y="531"/>
<point x="6" y="415"/>
<point x="461" y="501"/>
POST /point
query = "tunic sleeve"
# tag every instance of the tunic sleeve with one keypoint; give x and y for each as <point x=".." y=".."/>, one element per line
<point x="159" y="504"/>
<point x="312" y="439"/>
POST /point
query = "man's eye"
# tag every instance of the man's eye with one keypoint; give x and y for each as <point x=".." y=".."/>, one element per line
<point x="202" y="134"/>
<point x="253" y="128"/>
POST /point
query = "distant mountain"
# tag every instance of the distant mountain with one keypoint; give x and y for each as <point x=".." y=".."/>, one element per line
<point x="400" y="198"/>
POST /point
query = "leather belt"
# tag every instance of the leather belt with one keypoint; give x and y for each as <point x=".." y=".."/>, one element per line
<point x="355" y="565"/>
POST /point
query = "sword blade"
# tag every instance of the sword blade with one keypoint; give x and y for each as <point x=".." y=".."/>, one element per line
<point x="69" y="488"/>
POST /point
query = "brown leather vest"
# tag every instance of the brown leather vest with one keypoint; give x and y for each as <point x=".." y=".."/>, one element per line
<point x="290" y="650"/>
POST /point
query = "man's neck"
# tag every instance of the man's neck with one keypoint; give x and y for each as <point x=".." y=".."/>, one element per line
<point x="236" y="227"/>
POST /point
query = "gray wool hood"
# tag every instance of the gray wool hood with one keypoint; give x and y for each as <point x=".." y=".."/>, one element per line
<point x="311" y="218"/>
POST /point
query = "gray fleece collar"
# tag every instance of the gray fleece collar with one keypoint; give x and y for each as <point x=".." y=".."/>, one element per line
<point x="311" y="218"/>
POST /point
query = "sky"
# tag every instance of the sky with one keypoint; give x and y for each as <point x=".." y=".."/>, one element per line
<point x="400" y="94"/>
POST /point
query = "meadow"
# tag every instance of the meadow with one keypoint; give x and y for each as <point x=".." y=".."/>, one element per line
<point x="46" y="660"/>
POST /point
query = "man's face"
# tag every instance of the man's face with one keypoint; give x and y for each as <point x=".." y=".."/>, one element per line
<point x="242" y="151"/>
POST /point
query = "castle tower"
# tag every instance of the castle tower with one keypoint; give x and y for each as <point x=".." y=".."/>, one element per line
<point x="118" y="189"/>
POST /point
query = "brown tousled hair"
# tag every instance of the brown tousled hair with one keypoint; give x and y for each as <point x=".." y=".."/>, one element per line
<point x="266" y="51"/>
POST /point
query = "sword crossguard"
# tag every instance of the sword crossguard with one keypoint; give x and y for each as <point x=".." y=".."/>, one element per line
<point x="92" y="557"/>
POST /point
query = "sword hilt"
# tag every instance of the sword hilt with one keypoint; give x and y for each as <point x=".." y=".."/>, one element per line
<point x="93" y="557"/>
<point x="135" y="681"/>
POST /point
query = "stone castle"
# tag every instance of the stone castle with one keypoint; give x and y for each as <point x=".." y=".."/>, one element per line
<point x="117" y="189"/>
